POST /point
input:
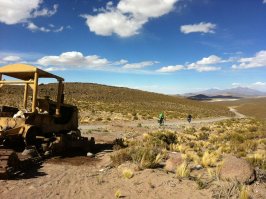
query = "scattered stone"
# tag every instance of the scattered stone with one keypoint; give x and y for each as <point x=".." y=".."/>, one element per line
<point x="171" y="183"/>
<point x="198" y="167"/>
<point x="174" y="160"/>
<point x="237" y="169"/>
<point x="260" y="175"/>
<point x="90" y="154"/>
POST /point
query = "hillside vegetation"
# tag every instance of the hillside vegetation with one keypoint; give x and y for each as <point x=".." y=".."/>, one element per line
<point x="93" y="100"/>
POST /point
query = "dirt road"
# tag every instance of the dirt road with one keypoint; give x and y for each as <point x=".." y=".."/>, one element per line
<point x="170" y="124"/>
<point x="237" y="114"/>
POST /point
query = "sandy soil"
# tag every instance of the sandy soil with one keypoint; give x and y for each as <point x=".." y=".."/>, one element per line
<point x="94" y="179"/>
<point x="85" y="177"/>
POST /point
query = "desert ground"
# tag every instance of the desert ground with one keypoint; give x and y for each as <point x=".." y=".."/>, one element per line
<point x="97" y="177"/>
<point x="176" y="160"/>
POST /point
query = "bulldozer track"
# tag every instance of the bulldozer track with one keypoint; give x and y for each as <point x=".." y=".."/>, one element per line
<point x="9" y="162"/>
<point x="12" y="163"/>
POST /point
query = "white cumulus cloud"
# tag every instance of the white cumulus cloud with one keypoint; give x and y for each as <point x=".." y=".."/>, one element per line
<point x="259" y="60"/>
<point x="213" y="59"/>
<point x="202" y="68"/>
<point x="7" y="59"/>
<point x="31" y="26"/>
<point x="73" y="60"/>
<point x="167" y="69"/>
<point x="106" y="24"/>
<point x="147" y="8"/>
<point x="264" y="1"/>
<point x="18" y="11"/>
<point x="34" y="28"/>
<point x="139" y="65"/>
<point x="201" y="27"/>
<point x="203" y="65"/>
<point x="259" y="83"/>
<point x="127" y="18"/>
<point x="11" y="58"/>
<point x="45" y="12"/>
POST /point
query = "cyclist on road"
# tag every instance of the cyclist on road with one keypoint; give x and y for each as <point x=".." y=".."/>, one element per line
<point x="161" y="118"/>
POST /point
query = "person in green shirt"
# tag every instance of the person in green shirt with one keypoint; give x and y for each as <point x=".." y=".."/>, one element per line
<point x="161" y="118"/>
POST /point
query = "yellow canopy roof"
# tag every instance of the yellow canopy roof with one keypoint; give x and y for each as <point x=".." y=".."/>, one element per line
<point x="26" y="72"/>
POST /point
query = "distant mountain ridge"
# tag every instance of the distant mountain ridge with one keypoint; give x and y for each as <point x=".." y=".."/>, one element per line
<point x="236" y="92"/>
<point x="205" y="97"/>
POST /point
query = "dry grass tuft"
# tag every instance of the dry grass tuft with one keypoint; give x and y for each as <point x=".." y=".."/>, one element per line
<point x="244" y="192"/>
<point x="209" y="159"/>
<point x="128" y="173"/>
<point x="182" y="170"/>
<point x="118" y="194"/>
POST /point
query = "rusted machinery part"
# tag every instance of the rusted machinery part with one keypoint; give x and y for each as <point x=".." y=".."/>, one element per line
<point x="9" y="163"/>
<point x="12" y="163"/>
<point x="30" y="133"/>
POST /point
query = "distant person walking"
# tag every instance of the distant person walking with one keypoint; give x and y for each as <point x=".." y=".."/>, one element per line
<point x="161" y="119"/>
<point x="189" y="118"/>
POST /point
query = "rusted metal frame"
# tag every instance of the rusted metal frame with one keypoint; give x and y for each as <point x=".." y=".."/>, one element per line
<point x="26" y="89"/>
<point x="59" y="97"/>
<point x="16" y="82"/>
<point x="35" y="92"/>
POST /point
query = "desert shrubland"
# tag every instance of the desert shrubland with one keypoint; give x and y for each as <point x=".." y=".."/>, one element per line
<point x="203" y="150"/>
<point x="106" y="103"/>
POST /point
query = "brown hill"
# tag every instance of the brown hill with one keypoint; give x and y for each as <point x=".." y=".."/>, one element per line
<point x="115" y="102"/>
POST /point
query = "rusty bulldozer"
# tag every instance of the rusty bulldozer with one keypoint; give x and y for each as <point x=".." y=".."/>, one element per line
<point x="47" y="127"/>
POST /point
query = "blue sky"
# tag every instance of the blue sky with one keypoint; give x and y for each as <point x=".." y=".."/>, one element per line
<point x="165" y="46"/>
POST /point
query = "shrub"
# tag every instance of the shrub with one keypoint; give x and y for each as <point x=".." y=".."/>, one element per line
<point x="146" y="156"/>
<point x="209" y="159"/>
<point x="127" y="173"/>
<point x="244" y="192"/>
<point x="190" y="130"/>
<point x="120" y="156"/>
<point x="183" y="170"/>
<point x="253" y="128"/>
<point x="135" y="117"/>
<point x="162" y="138"/>
<point x="258" y="159"/>
<point x="118" y="194"/>
<point x="203" y="136"/>
<point x="204" y="128"/>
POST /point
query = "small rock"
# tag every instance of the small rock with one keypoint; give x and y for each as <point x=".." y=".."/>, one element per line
<point x="237" y="169"/>
<point x="104" y="169"/>
<point x="198" y="167"/>
<point x="174" y="160"/>
<point x="90" y="154"/>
